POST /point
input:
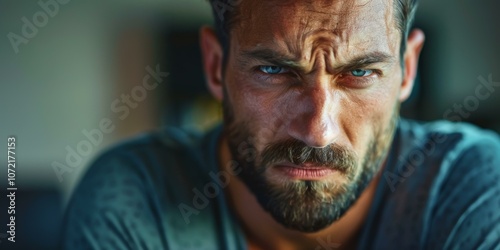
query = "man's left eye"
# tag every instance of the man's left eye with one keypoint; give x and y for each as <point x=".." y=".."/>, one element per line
<point x="361" y="72"/>
<point x="273" y="70"/>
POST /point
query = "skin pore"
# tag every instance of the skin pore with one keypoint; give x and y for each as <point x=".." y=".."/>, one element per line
<point x="323" y="78"/>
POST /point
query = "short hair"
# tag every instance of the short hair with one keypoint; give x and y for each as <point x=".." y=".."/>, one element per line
<point x="224" y="11"/>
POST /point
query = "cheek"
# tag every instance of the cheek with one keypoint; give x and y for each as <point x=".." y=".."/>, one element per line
<point x="256" y="110"/>
<point x="365" y="115"/>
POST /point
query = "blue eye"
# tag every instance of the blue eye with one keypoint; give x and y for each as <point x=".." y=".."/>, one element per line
<point x="272" y="69"/>
<point x="361" y="72"/>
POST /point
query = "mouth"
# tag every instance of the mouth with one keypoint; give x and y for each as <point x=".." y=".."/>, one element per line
<point x="306" y="171"/>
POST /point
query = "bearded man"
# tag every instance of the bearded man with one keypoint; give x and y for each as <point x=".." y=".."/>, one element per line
<point x="311" y="154"/>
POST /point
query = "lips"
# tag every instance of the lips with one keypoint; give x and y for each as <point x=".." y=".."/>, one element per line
<point x="304" y="171"/>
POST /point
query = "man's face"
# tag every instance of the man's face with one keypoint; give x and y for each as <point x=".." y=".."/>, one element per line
<point x="310" y="103"/>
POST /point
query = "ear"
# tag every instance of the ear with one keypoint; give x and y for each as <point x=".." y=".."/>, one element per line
<point x="212" y="54"/>
<point x="414" y="45"/>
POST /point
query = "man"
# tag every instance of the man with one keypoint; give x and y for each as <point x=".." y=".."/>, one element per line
<point x="311" y="154"/>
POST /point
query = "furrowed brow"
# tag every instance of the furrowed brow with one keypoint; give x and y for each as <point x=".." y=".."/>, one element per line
<point x="269" y="56"/>
<point x="366" y="60"/>
<point x="282" y="60"/>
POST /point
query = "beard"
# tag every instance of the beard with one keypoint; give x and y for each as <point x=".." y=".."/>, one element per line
<point x="305" y="205"/>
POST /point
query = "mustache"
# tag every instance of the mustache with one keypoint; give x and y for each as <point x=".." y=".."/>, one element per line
<point x="297" y="152"/>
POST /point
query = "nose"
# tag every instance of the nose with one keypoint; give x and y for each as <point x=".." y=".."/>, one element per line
<point x="314" y="116"/>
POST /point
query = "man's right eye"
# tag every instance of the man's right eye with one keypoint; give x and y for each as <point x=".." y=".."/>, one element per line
<point x="273" y="70"/>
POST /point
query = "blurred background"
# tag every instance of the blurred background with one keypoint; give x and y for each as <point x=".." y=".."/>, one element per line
<point x="65" y="71"/>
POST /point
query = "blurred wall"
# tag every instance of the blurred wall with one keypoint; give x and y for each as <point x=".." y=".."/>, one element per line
<point x="461" y="47"/>
<point x="65" y="79"/>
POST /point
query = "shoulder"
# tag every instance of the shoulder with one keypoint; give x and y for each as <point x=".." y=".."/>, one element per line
<point x="120" y="200"/>
<point x="446" y="146"/>
<point x="464" y="190"/>
<point x="425" y="153"/>
<point x="143" y="159"/>
<point x="445" y="133"/>
<point x="148" y="150"/>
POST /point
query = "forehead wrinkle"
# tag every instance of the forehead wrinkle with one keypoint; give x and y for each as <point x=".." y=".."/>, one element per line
<point x="326" y="33"/>
<point x="335" y="31"/>
<point x="322" y="40"/>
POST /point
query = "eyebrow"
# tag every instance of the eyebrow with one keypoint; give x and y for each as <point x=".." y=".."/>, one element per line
<point x="282" y="60"/>
<point x="270" y="56"/>
<point x="365" y="60"/>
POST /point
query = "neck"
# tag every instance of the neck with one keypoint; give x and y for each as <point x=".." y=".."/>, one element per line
<point x="263" y="232"/>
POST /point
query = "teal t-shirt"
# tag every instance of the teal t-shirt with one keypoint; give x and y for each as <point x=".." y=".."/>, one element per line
<point x="439" y="189"/>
